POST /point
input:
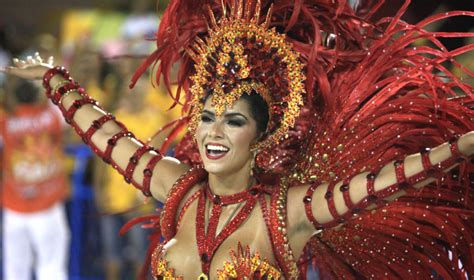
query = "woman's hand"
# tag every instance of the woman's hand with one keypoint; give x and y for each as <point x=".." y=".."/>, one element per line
<point x="33" y="68"/>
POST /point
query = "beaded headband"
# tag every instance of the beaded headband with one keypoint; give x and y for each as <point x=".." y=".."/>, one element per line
<point x="240" y="55"/>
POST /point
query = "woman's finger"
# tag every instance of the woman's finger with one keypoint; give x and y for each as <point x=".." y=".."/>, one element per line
<point x="32" y="62"/>
<point x="51" y="60"/>
<point x="8" y="69"/>
<point x="38" y="57"/>
<point x="20" y="63"/>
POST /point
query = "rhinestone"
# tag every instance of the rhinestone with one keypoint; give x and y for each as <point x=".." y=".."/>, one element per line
<point x="344" y="188"/>
<point x="328" y="195"/>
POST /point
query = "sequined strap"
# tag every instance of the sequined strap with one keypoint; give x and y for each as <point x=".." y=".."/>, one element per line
<point x="148" y="173"/>
<point x="278" y="222"/>
<point x="329" y="196"/>
<point x="370" y="186"/>
<point x="307" y="199"/>
<point x="174" y="198"/>
<point x="133" y="161"/>
<point x="209" y="241"/>
<point x="266" y="218"/>
<point x="400" y="174"/>
<point x="431" y="170"/>
<point x="233" y="198"/>
<point x="96" y="125"/>
<point x="425" y="160"/>
<point x="344" y="188"/>
<point x="107" y="157"/>
<point x="76" y="105"/>
<point x="186" y="205"/>
<point x="456" y="156"/>
<point x="58" y="70"/>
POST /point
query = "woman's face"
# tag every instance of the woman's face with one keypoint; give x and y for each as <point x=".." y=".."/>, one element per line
<point x="224" y="142"/>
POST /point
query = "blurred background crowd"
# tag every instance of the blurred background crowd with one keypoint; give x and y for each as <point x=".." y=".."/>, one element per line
<point x="102" y="43"/>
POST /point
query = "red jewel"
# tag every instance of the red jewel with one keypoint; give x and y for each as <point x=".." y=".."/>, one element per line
<point x="253" y="191"/>
<point x="344" y="188"/>
<point x="403" y="185"/>
<point x="216" y="199"/>
<point x="328" y="195"/>
<point x="147" y="172"/>
<point x="372" y="198"/>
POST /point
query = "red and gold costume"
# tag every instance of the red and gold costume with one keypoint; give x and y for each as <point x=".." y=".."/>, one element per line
<point x="346" y="95"/>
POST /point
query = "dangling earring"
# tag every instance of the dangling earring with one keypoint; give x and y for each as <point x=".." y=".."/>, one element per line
<point x="252" y="163"/>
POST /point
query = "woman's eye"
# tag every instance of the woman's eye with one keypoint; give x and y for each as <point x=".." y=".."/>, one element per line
<point x="206" y="119"/>
<point x="237" y="123"/>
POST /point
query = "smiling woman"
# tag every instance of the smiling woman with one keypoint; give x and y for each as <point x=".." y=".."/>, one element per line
<point x="225" y="145"/>
<point x="308" y="147"/>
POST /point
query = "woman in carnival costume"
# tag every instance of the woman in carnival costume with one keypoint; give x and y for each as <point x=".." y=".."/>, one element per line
<point x="309" y="127"/>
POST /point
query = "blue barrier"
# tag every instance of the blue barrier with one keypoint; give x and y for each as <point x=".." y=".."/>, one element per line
<point x="82" y="197"/>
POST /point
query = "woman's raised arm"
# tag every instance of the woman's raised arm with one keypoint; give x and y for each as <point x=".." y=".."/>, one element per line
<point x="107" y="137"/>
<point x="327" y="205"/>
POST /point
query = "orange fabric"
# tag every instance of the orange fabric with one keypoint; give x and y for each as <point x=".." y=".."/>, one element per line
<point x="33" y="160"/>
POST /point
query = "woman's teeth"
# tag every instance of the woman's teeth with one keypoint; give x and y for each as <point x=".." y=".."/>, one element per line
<point x="215" y="149"/>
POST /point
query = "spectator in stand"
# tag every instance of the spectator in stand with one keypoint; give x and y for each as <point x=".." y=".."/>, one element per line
<point x="35" y="230"/>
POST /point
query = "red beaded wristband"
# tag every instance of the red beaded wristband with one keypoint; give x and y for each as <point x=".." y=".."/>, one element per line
<point x="307" y="199"/>
<point x="402" y="180"/>
<point x="97" y="124"/>
<point x="148" y="172"/>
<point x="329" y="196"/>
<point x="58" y="94"/>
<point x="107" y="156"/>
<point x="76" y="105"/>
<point x="132" y="163"/>
<point x="344" y="188"/>
<point x="58" y="70"/>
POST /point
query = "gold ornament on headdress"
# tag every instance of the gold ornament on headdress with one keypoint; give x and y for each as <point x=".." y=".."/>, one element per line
<point x="240" y="55"/>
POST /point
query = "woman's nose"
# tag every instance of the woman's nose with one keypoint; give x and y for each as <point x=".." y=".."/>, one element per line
<point x="216" y="130"/>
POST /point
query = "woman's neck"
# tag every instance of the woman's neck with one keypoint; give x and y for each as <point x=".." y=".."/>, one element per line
<point x="227" y="184"/>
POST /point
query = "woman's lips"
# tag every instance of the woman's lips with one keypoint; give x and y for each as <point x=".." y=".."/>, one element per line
<point x="215" y="156"/>
<point x="215" y="151"/>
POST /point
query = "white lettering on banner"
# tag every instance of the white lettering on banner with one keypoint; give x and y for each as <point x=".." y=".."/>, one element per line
<point x="19" y="124"/>
<point x="34" y="172"/>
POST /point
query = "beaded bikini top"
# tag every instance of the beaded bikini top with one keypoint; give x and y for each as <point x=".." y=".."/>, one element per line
<point x="242" y="262"/>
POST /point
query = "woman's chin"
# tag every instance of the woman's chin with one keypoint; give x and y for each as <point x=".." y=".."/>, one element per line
<point x="215" y="169"/>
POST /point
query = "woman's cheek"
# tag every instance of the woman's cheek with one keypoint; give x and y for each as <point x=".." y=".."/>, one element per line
<point x="199" y="132"/>
<point x="244" y="138"/>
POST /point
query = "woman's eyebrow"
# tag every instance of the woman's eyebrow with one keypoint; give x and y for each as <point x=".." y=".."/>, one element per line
<point x="229" y="115"/>
<point x="208" y="113"/>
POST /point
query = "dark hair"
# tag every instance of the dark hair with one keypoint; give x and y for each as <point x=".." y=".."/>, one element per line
<point x="258" y="109"/>
<point x="26" y="92"/>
